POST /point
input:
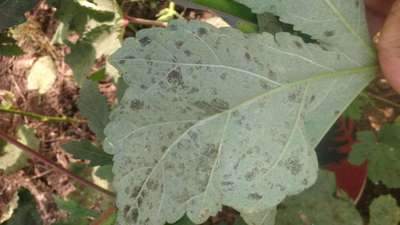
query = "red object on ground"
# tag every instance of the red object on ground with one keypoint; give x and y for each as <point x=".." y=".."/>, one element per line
<point x="332" y="154"/>
<point x="350" y="178"/>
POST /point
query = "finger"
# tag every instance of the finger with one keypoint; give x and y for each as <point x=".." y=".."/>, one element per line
<point x="381" y="7"/>
<point x="389" y="47"/>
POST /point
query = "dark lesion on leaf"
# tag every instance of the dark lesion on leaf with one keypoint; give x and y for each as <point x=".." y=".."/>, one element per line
<point x="255" y="196"/>
<point x="294" y="166"/>
<point x="329" y="33"/>
<point x="136" y="104"/>
<point x="144" y="41"/>
<point x="247" y="56"/>
<point x="152" y="185"/>
<point x="298" y="44"/>
<point x="202" y="31"/>
<point x="216" y="105"/>
<point x="131" y="215"/>
<point x="178" y="44"/>
<point x="175" y="77"/>
<point x="188" y="53"/>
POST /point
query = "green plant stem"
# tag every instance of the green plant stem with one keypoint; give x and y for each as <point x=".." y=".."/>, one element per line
<point x="230" y="7"/>
<point x="42" y="118"/>
<point x="105" y="216"/>
<point x="145" y="22"/>
<point x="35" y="155"/>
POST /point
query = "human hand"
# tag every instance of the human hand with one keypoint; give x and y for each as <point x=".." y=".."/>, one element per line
<point x="384" y="17"/>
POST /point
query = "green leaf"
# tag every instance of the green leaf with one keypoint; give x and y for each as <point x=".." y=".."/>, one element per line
<point x="84" y="149"/>
<point x="226" y="6"/>
<point x="318" y="205"/>
<point x="81" y="59"/>
<point x="355" y="109"/>
<point x="237" y="15"/>
<point x="74" y="208"/>
<point x="78" y="215"/>
<point x="26" y="213"/>
<point x="99" y="75"/>
<point x="216" y="117"/>
<point x="111" y="220"/>
<point x="93" y="106"/>
<point x="390" y="135"/>
<point x="383" y="155"/>
<point x="384" y="210"/>
<point x="184" y="221"/>
<point x="13" y="11"/>
<point x="12" y="158"/>
<point x="42" y="75"/>
<point x="105" y="172"/>
<point x="100" y="38"/>
<point x="8" y="46"/>
<point x="75" y="14"/>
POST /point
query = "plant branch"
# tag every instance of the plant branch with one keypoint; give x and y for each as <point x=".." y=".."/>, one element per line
<point x="145" y="22"/>
<point x="34" y="154"/>
<point x="105" y="216"/>
<point x="42" y="118"/>
<point x="387" y="101"/>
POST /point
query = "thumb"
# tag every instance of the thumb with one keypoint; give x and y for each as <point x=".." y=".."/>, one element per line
<point x="389" y="47"/>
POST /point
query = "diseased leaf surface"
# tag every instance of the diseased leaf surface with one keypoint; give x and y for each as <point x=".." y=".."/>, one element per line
<point x="339" y="25"/>
<point x="204" y="124"/>
<point x="318" y="205"/>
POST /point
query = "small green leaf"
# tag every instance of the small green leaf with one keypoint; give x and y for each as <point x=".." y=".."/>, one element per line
<point x="27" y="212"/>
<point x="12" y="158"/>
<point x="12" y="11"/>
<point x="99" y="75"/>
<point x="382" y="153"/>
<point x="78" y="215"/>
<point x="355" y="109"/>
<point x="81" y="60"/>
<point x="8" y="45"/>
<point x="318" y="205"/>
<point x="105" y="172"/>
<point x="74" y="208"/>
<point x="111" y="220"/>
<point x="84" y="149"/>
<point x="184" y="221"/>
<point x="390" y="135"/>
<point x="93" y="106"/>
<point x="384" y="210"/>
<point x="42" y="75"/>
<point x="227" y="6"/>
<point x="100" y="181"/>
